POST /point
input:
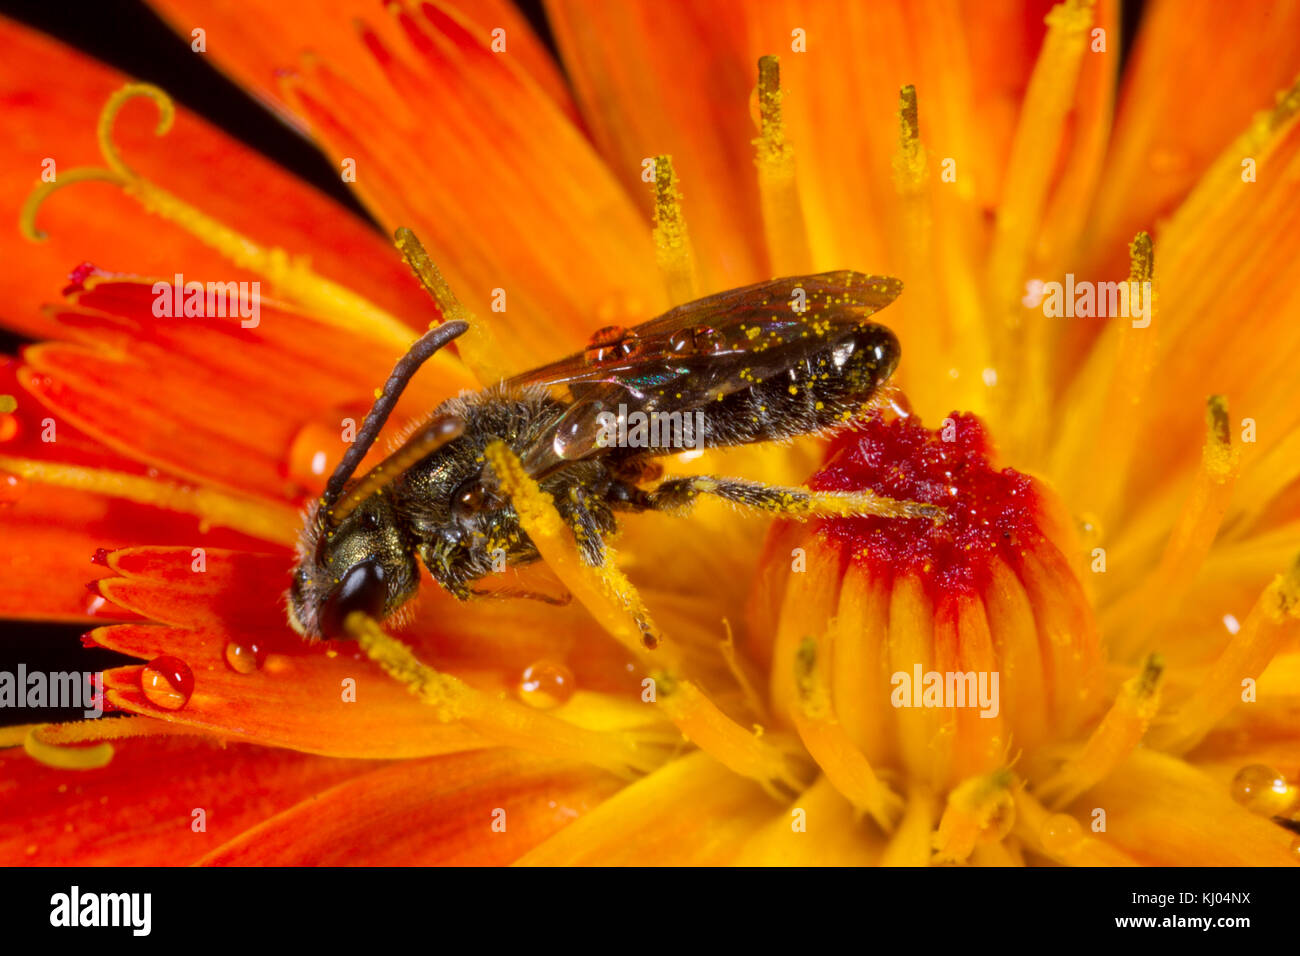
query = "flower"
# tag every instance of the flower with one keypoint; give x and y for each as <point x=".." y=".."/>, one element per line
<point x="1136" y="597"/>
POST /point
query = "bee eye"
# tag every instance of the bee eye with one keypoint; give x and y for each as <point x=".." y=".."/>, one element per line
<point x="368" y="521"/>
<point x="470" y="497"/>
<point x="362" y="589"/>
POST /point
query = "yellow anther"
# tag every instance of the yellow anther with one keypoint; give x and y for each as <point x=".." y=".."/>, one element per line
<point x="673" y="250"/>
<point x="477" y="346"/>
<point x="1113" y="740"/>
<point x="980" y="810"/>
<point x="910" y="159"/>
<point x="783" y="221"/>
<point x="291" y="275"/>
<point x="1274" y="618"/>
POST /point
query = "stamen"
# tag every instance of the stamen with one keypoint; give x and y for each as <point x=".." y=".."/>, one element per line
<point x="1114" y="435"/>
<point x="728" y="649"/>
<point x="910" y="159"/>
<point x="477" y="347"/>
<point x="829" y="744"/>
<point x="769" y="760"/>
<point x="67" y="758"/>
<point x="615" y="604"/>
<point x="605" y="592"/>
<point x="979" y="810"/>
<point x="266" y="520"/>
<point x="1113" y="740"/>
<point x="1269" y="623"/>
<point x="499" y="720"/>
<point x="783" y="220"/>
<point x="673" y="249"/>
<point x="291" y="275"/>
<point x="1194" y="531"/>
<point x="1210" y="197"/>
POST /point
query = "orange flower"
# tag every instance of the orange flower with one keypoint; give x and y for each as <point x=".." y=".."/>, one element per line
<point x="1127" y="615"/>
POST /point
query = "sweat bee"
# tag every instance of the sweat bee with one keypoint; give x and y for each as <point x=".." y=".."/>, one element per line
<point x="767" y="362"/>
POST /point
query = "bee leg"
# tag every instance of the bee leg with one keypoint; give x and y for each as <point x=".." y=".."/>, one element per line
<point x="678" y="494"/>
<point x="587" y="530"/>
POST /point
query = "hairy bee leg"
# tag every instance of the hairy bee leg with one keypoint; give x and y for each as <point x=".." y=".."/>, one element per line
<point x="678" y="494"/>
<point x="587" y="531"/>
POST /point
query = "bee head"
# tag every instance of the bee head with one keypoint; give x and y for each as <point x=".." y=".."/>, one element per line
<point x="363" y="564"/>
<point x="352" y="555"/>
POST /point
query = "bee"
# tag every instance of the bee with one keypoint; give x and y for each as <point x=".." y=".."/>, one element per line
<point x="767" y="362"/>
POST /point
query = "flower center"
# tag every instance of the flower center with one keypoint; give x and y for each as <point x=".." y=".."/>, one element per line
<point x="991" y="513"/>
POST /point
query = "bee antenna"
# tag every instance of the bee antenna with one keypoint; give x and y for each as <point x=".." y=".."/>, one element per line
<point x="423" y="349"/>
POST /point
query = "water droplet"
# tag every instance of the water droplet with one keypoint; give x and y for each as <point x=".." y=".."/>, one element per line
<point x="1060" y="833"/>
<point x="1261" y="789"/>
<point x="245" y="658"/>
<point x="546" y="684"/>
<point x="12" y="487"/>
<point x="1090" y="531"/>
<point x="701" y="340"/>
<point x="611" y="344"/>
<point x="315" y="449"/>
<point x="167" y="682"/>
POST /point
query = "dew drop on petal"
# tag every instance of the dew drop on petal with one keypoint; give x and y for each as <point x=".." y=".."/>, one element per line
<point x="1060" y="832"/>
<point x="12" y="487"/>
<point x="167" y="682"/>
<point x="1261" y="789"/>
<point x="312" y="453"/>
<point x="244" y="657"/>
<point x="546" y="684"/>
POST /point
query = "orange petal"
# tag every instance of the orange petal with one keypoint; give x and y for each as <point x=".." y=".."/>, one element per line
<point x="251" y="40"/>
<point x="53" y="97"/>
<point x="521" y="215"/>
<point x="484" y="808"/>
<point x="674" y="78"/>
<point x="1157" y="154"/>
<point x="140" y="809"/>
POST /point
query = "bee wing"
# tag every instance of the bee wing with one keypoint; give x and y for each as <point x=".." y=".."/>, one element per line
<point x="699" y="352"/>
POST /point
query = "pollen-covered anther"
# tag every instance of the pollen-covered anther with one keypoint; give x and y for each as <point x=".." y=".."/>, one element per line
<point x="778" y="189"/>
<point x="980" y="810"/>
<point x="673" y="250"/>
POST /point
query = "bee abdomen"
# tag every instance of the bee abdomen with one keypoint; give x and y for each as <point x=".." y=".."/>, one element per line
<point x="826" y="388"/>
